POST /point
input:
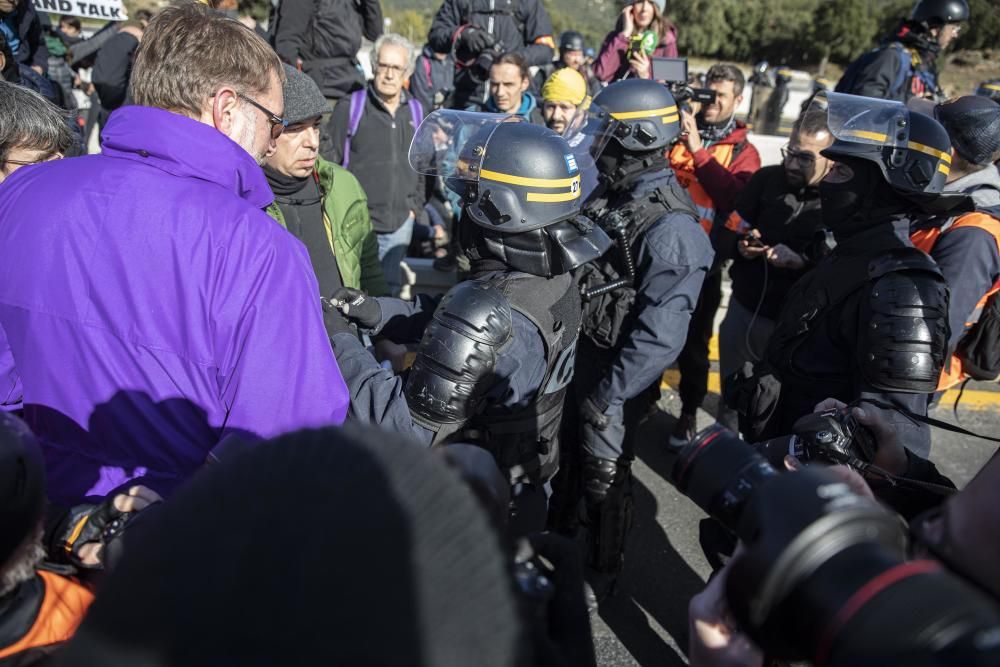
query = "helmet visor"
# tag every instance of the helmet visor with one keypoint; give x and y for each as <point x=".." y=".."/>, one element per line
<point x="863" y="120"/>
<point x="451" y="144"/>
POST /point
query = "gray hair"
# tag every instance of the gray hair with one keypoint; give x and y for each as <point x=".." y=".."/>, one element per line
<point x="392" y="39"/>
<point x="29" y="121"/>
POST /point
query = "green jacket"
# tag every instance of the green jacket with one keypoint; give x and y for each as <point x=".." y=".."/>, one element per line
<point x="349" y="228"/>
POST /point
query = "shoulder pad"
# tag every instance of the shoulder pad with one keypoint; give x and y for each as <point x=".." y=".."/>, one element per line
<point x="902" y="259"/>
<point x="458" y="354"/>
<point x="902" y="346"/>
<point x="477" y="309"/>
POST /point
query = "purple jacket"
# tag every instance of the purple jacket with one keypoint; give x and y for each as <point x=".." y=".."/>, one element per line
<point x="148" y="307"/>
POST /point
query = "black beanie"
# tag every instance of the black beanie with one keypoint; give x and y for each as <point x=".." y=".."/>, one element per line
<point x="327" y="547"/>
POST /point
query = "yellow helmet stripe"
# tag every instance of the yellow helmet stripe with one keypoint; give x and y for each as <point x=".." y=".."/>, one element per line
<point x="648" y="113"/>
<point x="671" y="119"/>
<point x="992" y="86"/>
<point x="865" y="134"/>
<point x="933" y="152"/>
<point x="553" y="197"/>
<point x="943" y="168"/>
<point x="510" y="179"/>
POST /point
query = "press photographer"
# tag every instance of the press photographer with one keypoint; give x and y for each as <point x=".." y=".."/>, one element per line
<point x="825" y="574"/>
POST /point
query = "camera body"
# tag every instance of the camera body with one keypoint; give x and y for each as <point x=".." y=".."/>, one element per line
<point x="833" y="436"/>
<point x="480" y="68"/>
<point x="674" y="72"/>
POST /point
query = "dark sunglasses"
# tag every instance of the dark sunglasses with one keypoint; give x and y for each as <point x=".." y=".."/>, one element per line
<point x="278" y="124"/>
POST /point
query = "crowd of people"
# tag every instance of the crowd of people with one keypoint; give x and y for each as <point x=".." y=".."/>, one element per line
<point x="220" y="392"/>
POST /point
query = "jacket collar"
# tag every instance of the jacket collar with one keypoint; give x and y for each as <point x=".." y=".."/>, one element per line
<point x="186" y="148"/>
<point x="983" y="186"/>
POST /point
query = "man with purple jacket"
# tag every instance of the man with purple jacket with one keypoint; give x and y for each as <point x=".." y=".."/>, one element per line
<point x="148" y="306"/>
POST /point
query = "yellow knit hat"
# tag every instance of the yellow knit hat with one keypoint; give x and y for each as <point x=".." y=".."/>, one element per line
<point x="565" y="85"/>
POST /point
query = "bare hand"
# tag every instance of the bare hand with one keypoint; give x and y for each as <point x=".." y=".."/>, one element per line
<point x="714" y="639"/>
<point x="641" y="65"/>
<point x="784" y="257"/>
<point x="689" y="131"/>
<point x="748" y="251"/>
<point x="38" y="70"/>
<point x="628" y="22"/>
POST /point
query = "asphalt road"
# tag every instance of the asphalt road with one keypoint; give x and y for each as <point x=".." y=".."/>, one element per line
<point x="645" y="623"/>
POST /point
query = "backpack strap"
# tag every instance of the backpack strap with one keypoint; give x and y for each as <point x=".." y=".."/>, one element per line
<point x="357" y="110"/>
<point x="904" y="72"/>
<point x="416" y="111"/>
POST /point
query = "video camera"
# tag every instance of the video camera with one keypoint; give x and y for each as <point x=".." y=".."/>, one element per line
<point x="674" y="72"/>
<point x="825" y="575"/>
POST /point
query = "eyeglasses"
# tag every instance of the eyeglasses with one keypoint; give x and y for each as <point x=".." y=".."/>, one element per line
<point x="394" y="69"/>
<point x="788" y="155"/>
<point x="278" y="124"/>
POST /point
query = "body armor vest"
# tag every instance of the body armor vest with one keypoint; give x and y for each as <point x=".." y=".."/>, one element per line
<point x="525" y="441"/>
<point x="608" y="284"/>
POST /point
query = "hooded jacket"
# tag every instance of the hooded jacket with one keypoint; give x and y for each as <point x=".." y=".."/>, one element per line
<point x="528" y="110"/>
<point x="170" y="313"/>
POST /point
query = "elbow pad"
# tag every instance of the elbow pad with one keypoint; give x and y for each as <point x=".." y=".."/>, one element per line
<point x="458" y="354"/>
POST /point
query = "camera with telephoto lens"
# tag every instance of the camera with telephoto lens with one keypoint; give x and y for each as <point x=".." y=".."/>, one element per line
<point x="824" y="575"/>
<point x="833" y="436"/>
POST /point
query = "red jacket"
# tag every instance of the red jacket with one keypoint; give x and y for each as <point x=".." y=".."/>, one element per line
<point x="722" y="183"/>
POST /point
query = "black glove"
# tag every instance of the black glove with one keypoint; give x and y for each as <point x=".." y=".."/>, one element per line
<point x="476" y="40"/>
<point x="358" y="307"/>
<point x="84" y="524"/>
<point x="334" y="321"/>
<point x="593" y="414"/>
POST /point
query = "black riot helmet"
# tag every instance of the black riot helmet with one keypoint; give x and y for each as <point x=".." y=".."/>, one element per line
<point x="912" y="150"/>
<point x="571" y="41"/>
<point x="520" y="189"/>
<point x="938" y="12"/>
<point x="640" y="114"/>
<point x="990" y="89"/>
<point x="22" y="484"/>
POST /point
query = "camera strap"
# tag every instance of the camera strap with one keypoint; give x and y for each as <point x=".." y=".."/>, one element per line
<point x="930" y="421"/>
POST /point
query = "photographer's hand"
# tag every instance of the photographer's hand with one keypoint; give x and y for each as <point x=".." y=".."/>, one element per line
<point x="92" y="528"/>
<point x="689" y="131"/>
<point x="358" y="307"/>
<point x="889" y="452"/>
<point x="714" y="639"/>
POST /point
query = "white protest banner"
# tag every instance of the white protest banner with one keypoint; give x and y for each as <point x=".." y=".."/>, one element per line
<point x="108" y="10"/>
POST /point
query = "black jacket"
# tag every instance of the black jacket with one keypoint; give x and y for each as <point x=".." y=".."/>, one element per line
<point x="326" y="35"/>
<point x="32" y="50"/>
<point x="898" y="70"/>
<point x="782" y="215"/>
<point x="112" y="71"/>
<point x="519" y="26"/>
<point x="378" y="159"/>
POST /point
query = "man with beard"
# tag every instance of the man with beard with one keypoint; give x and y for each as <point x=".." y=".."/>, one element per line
<point x="774" y="236"/>
<point x="870" y="323"/>
<point x="172" y="311"/>
<point x="713" y="161"/>
<point x="906" y="65"/>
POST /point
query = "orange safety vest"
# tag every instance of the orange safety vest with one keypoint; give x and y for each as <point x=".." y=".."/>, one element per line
<point x="62" y="610"/>
<point x="682" y="161"/>
<point x="924" y="239"/>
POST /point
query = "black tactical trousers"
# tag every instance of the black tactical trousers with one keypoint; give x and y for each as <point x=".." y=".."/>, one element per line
<point x="693" y="361"/>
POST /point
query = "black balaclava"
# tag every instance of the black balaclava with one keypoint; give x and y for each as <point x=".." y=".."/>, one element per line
<point x="620" y="168"/>
<point x="861" y="203"/>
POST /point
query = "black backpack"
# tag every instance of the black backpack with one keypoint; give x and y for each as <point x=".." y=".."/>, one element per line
<point x="979" y="348"/>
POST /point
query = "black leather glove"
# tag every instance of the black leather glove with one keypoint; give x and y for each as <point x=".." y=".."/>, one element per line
<point x="358" y="307"/>
<point x="334" y="321"/>
<point x="593" y="414"/>
<point x="476" y="40"/>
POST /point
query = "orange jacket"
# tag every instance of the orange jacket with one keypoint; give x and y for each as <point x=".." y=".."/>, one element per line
<point x="61" y="611"/>
<point x="924" y="239"/>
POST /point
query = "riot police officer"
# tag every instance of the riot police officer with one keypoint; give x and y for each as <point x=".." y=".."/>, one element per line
<point x="638" y="300"/>
<point x="871" y="320"/>
<point x="906" y="65"/>
<point x="496" y="354"/>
